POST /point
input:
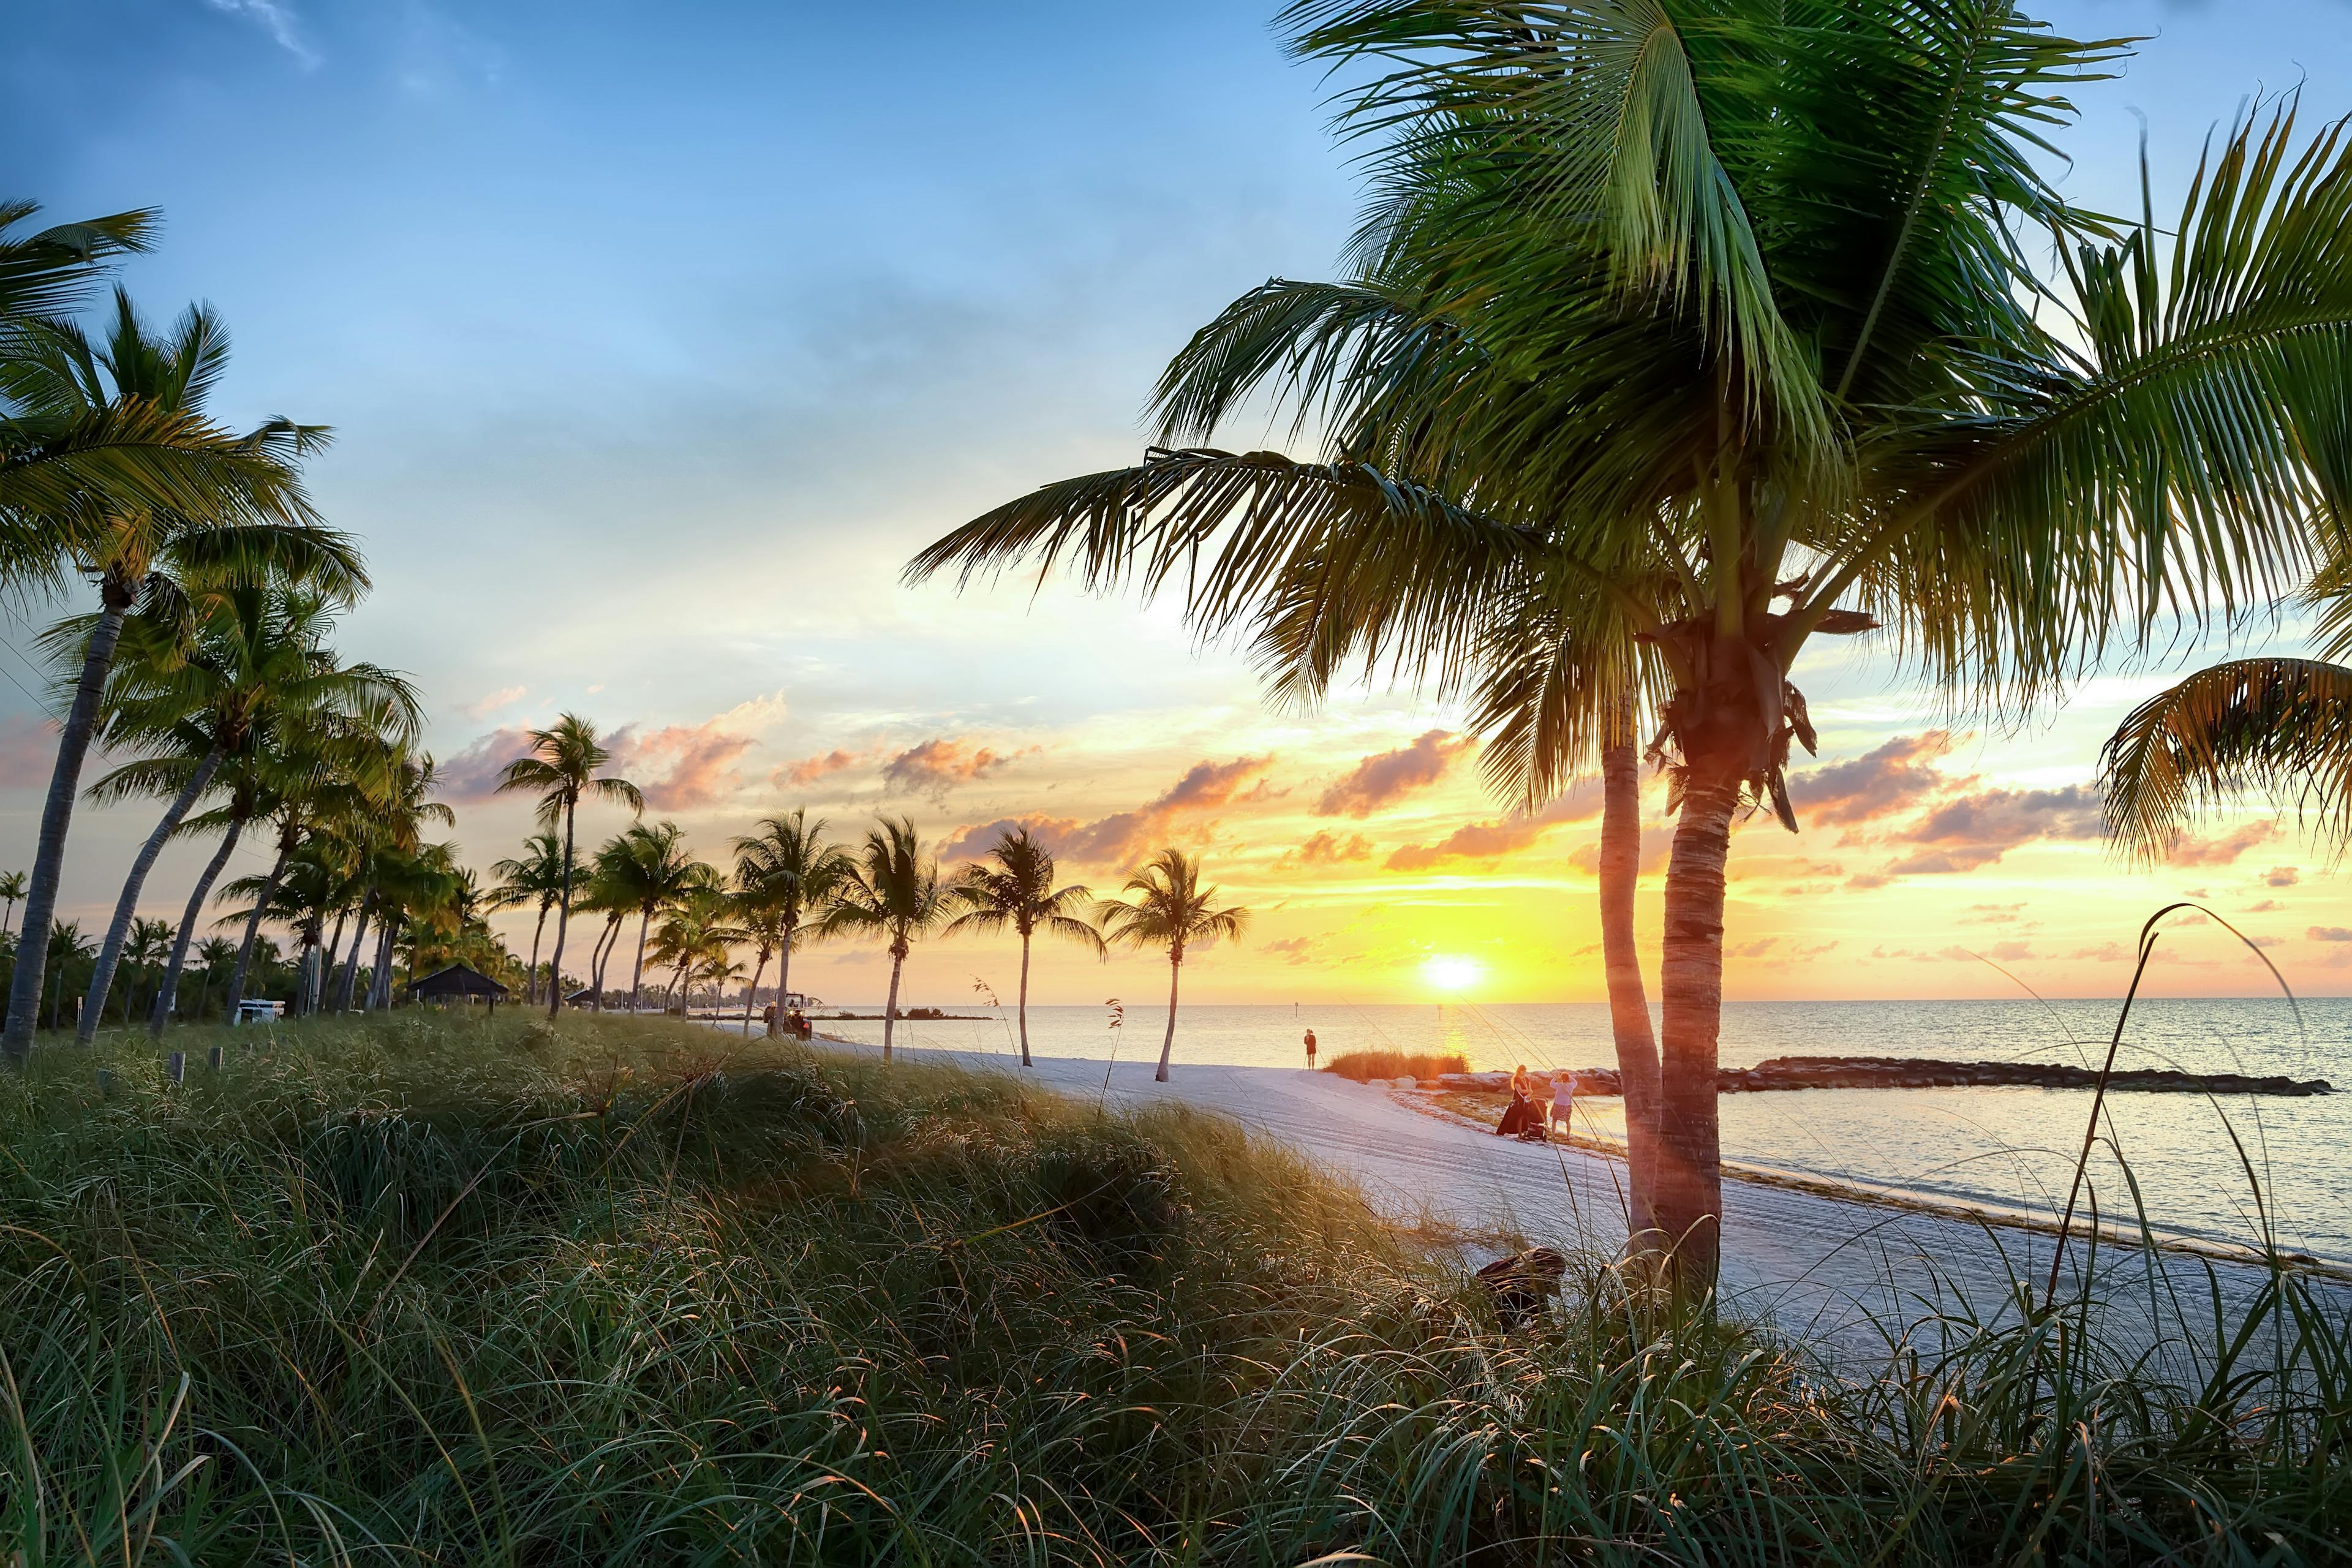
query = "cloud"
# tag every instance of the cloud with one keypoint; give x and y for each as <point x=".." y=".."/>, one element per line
<point x="698" y="758"/>
<point x="2105" y="952"/>
<point x="1863" y="881"/>
<point x="1294" y="949"/>
<point x="1977" y="829"/>
<point x="1503" y="836"/>
<point x="2265" y="907"/>
<point x="939" y="764"/>
<point x="1891" y="779"/>
<point x="1756" y="949"/>
<point x="2010" y="952"/>
<point x="2282" y="876"/>
<point x="276" y="18"/>
<point x="2329" y="933"/>
<point x="472" y="775"/>
<point x="482" y="708"/>
<point x="2221" y="851"/>
<point x="1991" y="914"/>
<point x="1330" y="849"/>
<point x="28" y="752"/>
<point x="1125" y="836"/>
<point x="809" y="770"/>
<point x="1386" y="777"/>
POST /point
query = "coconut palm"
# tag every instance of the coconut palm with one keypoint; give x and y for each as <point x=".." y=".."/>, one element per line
<point x="188" y="698"/>
<point x="649" y="869"/>
<point x="215" y="956"/>
<point x="1167" y="907"/>
<point x="259" y="526"/>
<point x="536" y="879"/>
<point x="565" y="763"/>
<point x="762" y="925"/>
<point x="891" y="891"/>
<point x="2277" y="726"/>
<point x="12" y="888"/>
<point x="693" y="942"/>
<point x="1719" y="328"/>
<point x="147" y="951"/>
<point x="790" y="870"/>
<point x="68" y="948"/>
<point x="1018" y="893"/>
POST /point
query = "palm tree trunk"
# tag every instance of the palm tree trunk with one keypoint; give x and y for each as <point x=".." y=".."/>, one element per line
<point x="1024" y="999"/>
<point x="351" y="964"/>
<point x="637" y="975"/>
<point x="391" y="939"/>
<point x="286" y="837"/>
<point x="1621" y="962"/>
<point x="1168" y="1041"/>
<point x="530" y="979"/>
<point x="891" y="1008"/>
<point x="751" y="991"/>
<point x="167" y="994"/>
<point x="1686" y="1193"/>
<point x="57" y="816"/>
<point x="784" y="981"/>
<point x="562" y="918"/>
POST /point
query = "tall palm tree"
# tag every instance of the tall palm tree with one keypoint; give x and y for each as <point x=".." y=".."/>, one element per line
<point x="694" y="941"/>
<point x="650" y="870"/>
<point x="147" y="951"/>
<point x="1018" y="892"/>
<point x="535" y="879"/>
<point x="1168" y="908"/>
<point x="762" y="925"/>
<point x="795" y="871"/>
<point x="67" y="948"/>
<point x="188" y="698"/>
<point x="12" y="888"/>
<point x="892" y="891"/>
<point x="258" y="525"/>
<point x="565" y="763"/>
<point x="214" y="955"/>
<point x="1715" y="333"/>
<point x="2277" y="726"/>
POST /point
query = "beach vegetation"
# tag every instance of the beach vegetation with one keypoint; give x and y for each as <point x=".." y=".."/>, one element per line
<point x="1165" y="906"/>
<point x="891" y="891"/>
<point x="1018" y="893"/>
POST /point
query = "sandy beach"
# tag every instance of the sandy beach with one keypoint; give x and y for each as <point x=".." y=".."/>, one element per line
<point x="1837" y="1270"/>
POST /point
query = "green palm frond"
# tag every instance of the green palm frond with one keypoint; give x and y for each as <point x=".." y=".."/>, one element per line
<point x="2274" y="727"/>
<point x="49" y="272"/>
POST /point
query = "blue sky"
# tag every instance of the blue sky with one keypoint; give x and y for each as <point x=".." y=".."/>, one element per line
<point x="658" y="335"/>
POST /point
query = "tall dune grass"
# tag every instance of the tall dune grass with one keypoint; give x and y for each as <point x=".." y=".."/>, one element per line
<point x="423" y="1289"/>
<point x="1365" y="1066"/>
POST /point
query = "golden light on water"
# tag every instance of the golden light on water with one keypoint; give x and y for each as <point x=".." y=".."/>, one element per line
<point x="1446" y="972"/>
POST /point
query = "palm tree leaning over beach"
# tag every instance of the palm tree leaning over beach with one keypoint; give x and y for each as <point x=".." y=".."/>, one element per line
<point x="795" y="871"/>
<point x="2275" y="727"/>
<point x="565" y="763"/>
<point x="533" y="879"/>
<point x="1018" y="892"/>
<point x="1728" y="328"/>
<point x="256" y="525"/>
<point x="1167" y="907"/>
<point x="892" y="890"/>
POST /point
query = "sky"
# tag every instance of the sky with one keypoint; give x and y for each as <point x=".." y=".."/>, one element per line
<point x="657" y="337"/>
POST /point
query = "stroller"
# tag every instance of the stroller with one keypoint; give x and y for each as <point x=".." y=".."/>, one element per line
<point x="1523" y="1122"/>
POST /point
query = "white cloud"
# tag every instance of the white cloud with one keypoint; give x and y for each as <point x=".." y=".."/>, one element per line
<point x="485" y="707"/>
<point x="279" y="20"/>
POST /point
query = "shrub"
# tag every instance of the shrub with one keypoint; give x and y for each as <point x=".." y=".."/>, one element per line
<point x="1366" y="1066"/>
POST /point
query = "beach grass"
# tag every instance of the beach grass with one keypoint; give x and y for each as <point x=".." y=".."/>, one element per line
<point x="1366" y="1066"/>
<point x="427" y="1288"/>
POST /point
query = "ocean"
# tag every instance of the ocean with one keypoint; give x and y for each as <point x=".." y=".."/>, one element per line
<point x="2289" y="1166"/>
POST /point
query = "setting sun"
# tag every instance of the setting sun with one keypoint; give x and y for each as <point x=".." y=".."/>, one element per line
<point x="1449" y="974"/>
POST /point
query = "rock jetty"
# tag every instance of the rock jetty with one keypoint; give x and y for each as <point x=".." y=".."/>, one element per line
<point x="1921" y="1072"/>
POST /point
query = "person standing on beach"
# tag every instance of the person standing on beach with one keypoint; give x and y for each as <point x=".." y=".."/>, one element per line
<point x="1310" y="1050"/>
<point x="1563" y="1100"/>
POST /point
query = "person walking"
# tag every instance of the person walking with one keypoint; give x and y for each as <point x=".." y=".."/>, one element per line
<point x="1563" y="1101"/>
<point x="1310" y="1050"/>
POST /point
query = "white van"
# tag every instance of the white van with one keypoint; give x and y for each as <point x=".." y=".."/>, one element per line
<point x="255" y="1010"/>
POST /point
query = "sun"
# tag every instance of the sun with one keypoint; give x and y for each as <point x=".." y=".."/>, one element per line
<point x="1447" y="973"/>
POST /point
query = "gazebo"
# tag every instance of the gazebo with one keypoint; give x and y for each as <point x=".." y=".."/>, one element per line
<point x="460" y="982"/>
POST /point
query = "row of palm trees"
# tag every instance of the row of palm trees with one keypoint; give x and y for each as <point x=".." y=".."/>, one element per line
<point x="1675" y="338"/>
<point x="791" y="884"/>
<point x="205" y="664"/>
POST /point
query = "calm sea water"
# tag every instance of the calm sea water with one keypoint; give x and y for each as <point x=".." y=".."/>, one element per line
<point x="2009" y="1147"/>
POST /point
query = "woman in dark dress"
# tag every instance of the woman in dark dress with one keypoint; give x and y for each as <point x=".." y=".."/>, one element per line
<point x="1522" y="1113"/>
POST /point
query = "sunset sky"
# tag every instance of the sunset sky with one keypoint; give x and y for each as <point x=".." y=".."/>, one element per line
<point x="657" y="339"/>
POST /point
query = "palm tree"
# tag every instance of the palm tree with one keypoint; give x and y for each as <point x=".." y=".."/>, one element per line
<point x="215" y="955"/>
<point x="564" y="763"/>
<point x="535" y="879"/>
<point x="1170" y="908"/>
<point x="67" y="947"/>
<point x="649" y="869"/>
<point x="147" y="951"/>
<point x="762" y="925"/>
<point x="2280" y="727"/>
<point x="891" y="891"/>
<point x="12" y="888"/>
<point x="191" y="698"/>
<point x="693" y="942"/>
<point x="1718" y="334"/>
<point x="256" y="525"/>
<point x="795" y="871"/>
<point x="1018" y="891"/>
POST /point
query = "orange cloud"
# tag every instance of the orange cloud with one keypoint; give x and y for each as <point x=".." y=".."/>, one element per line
<point x="940" y="765"/>
<point x="1377" y="780"/>
<point x="1330" y="849"/>
<point x="1504" y="836"/>
<point x="809" y="770"/>
<point x="472" y="775"/>
<point x="698" y="758"/>
<point x="2223" y="850"/>
<point x="1889" y="780"/>
<point x="1127" y="834"/>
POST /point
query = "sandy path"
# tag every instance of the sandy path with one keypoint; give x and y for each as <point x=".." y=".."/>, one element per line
<point x="1807" y="1262"/>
